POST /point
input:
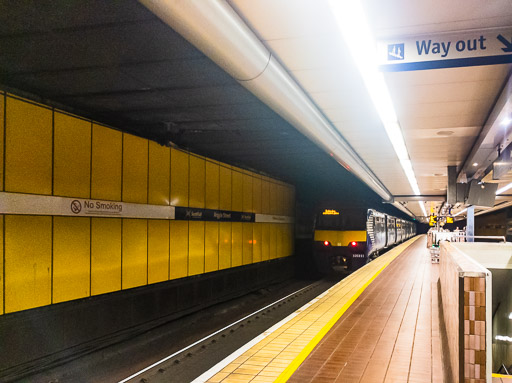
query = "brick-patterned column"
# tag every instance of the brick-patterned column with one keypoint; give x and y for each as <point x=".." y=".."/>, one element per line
<point x="474" y="330"/>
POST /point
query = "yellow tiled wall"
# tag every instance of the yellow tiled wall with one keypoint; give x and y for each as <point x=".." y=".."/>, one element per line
<point x="55" y="259"/>
<point x="158" y="250"/>
<point x="71" y="275"/>
<point x="28" y="261"/>
<point x="72" y="156"/>
<point x="134" y="252"/>
<point x="28" y="148"/>
<point x="135" y="169"/>
<point x="105" y="255"/>
<point x="1" y="265"/>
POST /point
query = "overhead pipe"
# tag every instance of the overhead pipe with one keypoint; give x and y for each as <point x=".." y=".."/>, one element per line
<point x="218" y="31"/>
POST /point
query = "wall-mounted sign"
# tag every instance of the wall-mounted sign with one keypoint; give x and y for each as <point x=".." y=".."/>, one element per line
<point x="330" y="212"/>
<point x="31" y="204"/>
<point x="269" y="218"/>
<point x="193" y="214"/>
<point x="446" y="50"/>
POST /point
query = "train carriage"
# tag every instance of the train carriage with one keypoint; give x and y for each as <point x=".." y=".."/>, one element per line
<point x="346" y="239"/>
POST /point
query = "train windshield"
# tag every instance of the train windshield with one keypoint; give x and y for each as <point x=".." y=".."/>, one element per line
<point x="343" y="220"/>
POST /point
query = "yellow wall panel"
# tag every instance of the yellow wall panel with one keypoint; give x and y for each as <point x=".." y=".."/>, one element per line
<point x="196" y="248"/>
<point x="265" y="241"/>
<point x="178" y="249"/>
<point x="179" y="178"/>
<point x="159" y="174"/>
<point x="28" y="262"/>
<point x="247" y="246"/>
<point x="1" y="264"/>
<point x="135" y="253"/>
<point x="71" y="258"/>
<point x="273" y="241"/>
<point x="237" y="185"/>
<point x="265" y="196"/>
<point x="224" y="245"/>
<point x="272" y="198"/>
<point x="158" y="251"/>
<point x="211" y="246"/>
<point x="135" y="169"/>
<point x="256" y="242"/>
<point x="256" y="194"/>
<point x="2" y="100"/>
<point x="106" y="163"/>
<point x="279" y="241"/>
<point x="225" y="188"/>
<point x="237" y="244"/>
<point x="197" y="182"/>
<point x="212" y="185"/>
<point x="247" y="193"/>
<point x="72" y="156"/>
<point x="28" y="148"/>
<point x="105" y="255"/>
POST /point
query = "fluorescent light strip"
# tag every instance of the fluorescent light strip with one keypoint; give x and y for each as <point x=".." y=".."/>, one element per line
<point x="422" y="205"/>
<point x="357" y="35"/>
<point x="503" y="338"/>
<point x="504" y="189"/>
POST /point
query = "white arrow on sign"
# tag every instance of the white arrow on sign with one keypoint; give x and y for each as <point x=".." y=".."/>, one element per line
<point x="446" y="50"/>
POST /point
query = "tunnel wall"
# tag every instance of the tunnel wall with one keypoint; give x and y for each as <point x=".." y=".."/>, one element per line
<point x="47" y="259"/>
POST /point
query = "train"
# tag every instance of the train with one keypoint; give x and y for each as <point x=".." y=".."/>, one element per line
<point x="347" y="239"/>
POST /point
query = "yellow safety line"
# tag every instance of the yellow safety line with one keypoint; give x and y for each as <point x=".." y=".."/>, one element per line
<point x="501" y="376"/>
<point x="292" y="367"/>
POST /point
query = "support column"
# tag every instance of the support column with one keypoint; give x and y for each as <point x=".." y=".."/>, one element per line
<point x="470" y="224"/>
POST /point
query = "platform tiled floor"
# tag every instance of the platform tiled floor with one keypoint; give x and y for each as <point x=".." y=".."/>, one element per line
<point x="389" y="334"/>
<point x="270" y="358"/>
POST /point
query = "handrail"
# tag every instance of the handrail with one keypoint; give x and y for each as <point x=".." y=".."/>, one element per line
<point x="502" y="237"/>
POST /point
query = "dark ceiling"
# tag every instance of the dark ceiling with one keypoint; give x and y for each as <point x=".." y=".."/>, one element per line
<point x="117" y="63"/>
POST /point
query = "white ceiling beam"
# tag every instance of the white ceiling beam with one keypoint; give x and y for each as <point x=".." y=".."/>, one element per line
<point x="219" y="32"/>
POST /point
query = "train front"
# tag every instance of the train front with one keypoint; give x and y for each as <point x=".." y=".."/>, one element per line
<point x="340" y="239"/>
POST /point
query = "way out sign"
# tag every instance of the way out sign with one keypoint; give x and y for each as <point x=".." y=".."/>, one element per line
<point x="446" y="50"/>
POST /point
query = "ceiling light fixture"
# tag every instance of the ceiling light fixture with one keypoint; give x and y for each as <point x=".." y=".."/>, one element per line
<point x="475" y="163"/>
<point x="357" y="34"/>
<point x="504" y="188"/>
<point x="506" y="121"/>
<point x="445" y="133"/>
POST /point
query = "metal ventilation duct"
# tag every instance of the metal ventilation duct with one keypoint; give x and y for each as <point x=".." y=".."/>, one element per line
<point x="217" y="30"/>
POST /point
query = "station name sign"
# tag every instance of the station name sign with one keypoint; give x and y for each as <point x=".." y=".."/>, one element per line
<point x="446" y="50"/>
<point x="193" y="214"/>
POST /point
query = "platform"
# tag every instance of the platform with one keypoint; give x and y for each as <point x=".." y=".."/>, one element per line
<point x="339" y="336"/>
<point x="381" y="324"/>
